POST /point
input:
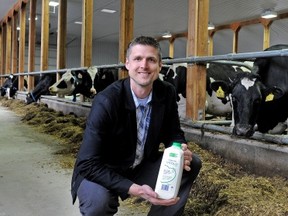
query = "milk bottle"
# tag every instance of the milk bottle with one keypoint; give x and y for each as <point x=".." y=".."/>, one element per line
<point x="170" y="173"/>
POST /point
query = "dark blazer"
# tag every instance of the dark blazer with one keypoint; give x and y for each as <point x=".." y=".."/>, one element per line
<point x="109" y="142"/>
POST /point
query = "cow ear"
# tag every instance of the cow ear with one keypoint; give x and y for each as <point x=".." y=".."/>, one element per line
<point x="221" y="88"/>
<point x="273" y="93"/>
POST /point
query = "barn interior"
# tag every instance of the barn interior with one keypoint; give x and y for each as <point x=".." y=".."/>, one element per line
<point x="164" y="17"/>
<point x="157" y="18"/>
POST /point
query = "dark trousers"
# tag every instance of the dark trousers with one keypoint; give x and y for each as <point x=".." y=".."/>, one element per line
<point x="95" y="200"/>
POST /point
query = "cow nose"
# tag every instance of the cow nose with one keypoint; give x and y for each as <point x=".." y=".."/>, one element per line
<point x="243" y="130"/>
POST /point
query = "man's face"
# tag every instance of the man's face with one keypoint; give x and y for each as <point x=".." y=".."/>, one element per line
<point x="143" y="65"/>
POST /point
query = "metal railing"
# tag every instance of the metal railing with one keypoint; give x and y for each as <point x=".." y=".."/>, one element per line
<point x="223" y="59"/>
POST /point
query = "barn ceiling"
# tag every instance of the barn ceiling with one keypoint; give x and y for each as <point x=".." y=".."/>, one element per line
<point x="154" y="17"/>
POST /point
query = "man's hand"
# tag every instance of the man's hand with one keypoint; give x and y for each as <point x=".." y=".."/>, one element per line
<point x="187" y="157"/>
<point x="147" y="193"/>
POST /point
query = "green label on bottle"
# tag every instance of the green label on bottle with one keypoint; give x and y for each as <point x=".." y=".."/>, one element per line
<point x="172" y="154"/>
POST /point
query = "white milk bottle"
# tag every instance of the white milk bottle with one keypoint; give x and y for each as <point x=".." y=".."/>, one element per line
<point x="170" y="173"/>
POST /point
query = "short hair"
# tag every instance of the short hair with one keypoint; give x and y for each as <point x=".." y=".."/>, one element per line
<point x="144" y="40"/>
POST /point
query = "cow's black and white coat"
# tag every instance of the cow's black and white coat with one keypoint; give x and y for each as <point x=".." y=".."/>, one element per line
<point x="86" y="82"/>
<point x="9" y="87"/>
<point x="215" y="71"/>
<point x="260" y="98"/>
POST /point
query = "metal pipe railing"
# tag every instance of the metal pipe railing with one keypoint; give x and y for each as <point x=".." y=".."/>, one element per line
<point x="189" y="60"/>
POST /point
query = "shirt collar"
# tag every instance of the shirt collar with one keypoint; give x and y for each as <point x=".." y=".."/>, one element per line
<point x="139" y="101"/>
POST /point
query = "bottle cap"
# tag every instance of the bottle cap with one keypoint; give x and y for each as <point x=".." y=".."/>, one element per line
<point x="177" y="144"/>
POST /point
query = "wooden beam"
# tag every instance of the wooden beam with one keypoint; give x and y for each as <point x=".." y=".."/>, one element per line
<point x="61" y="36"/>
<point x="126" y="31"/>
<point x="87" y="33"/>
<point x="1" y="55"/>
<point x="266" y="34"/>
<point x="22" y="25"/>
<point x="16" y="8"/>
<point x="14" y="43"/>
<point x="210" y="43"/>
<point x="3" y="36"/>
<point x="171" y="47"/>
<point x="197" y="45"/>
<point x="32" y="43"/>
<point x="44" y="64"/>
<point x="236" y="28"/>
<point x="8" y="46"/>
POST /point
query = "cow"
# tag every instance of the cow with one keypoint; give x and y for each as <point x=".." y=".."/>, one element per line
<point x="9" y="86"/>
<point x="215" y="71"/>
<point x="259" y="99"/>
<point x="86" y="82"/>
<point x="42" y="88"/>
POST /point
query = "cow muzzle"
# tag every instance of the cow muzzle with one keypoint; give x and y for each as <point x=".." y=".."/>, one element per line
<point x="243" y="130"/>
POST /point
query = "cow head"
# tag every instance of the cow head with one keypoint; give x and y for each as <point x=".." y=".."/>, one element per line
<point x="40" y="89"/>
<point x="75" y="81"/>
<point x="66" y="85"/>
<point x="246" y="94"/>
<point x="8" y="88"/>
<point x="104" y="77"/>
<point x="176" y="78"/>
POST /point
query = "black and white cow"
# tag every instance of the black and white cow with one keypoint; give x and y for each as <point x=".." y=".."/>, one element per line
<point x="86" y="82"/>
<point x="9" y="86"/>
<point x="215" y="71"/>
<point x="260" y="98"/>
<point x="42" y="88"/>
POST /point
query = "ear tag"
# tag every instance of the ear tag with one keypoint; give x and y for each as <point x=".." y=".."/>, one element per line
<point x="269" y="97"/>
<point x="220" y="93"/>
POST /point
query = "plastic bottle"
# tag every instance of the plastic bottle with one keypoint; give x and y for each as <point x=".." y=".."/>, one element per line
<point x="170" y="173"/>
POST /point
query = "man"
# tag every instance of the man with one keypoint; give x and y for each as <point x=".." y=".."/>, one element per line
<point x="119" y="155"/>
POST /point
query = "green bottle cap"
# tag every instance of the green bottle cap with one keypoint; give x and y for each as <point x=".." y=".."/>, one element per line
<point x="177" y="144"/>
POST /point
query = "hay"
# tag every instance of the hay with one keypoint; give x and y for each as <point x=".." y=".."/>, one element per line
<point x="221" y="189"/>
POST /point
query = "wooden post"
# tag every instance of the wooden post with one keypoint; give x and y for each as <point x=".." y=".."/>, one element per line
<point x="211" y="43"/>
<point x="197" y="45"/>
<point x="61" y="36"/>
<point x="8" y="45"/>
<point x="171" y="47"/>
<point x="236" y="28"/>
<point x="14" y="42"/>
<point x="126" y="31"/>
<point x="31" y="45"/>
<point x="22" y="33"/>
<point x="87" y="33"/>
<point x="266" y="34"/>
<point x="1" y="55"/>
<point x="44" y="35"/>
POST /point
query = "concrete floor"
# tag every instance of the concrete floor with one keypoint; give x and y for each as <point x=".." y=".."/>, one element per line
<point x="32" y="183"/>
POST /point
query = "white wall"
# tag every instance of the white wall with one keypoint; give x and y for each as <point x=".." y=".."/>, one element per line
<point x="103" y="53"/>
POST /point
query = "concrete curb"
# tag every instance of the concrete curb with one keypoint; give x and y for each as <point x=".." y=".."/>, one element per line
<point x="256" y="157"/>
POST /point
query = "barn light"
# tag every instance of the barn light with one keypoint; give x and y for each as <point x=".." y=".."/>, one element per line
<point x="167" y="35"/>
<point x="108" y="11"/>
<point x="268" y="14"/>
<point x="211" y="26"/>
<point x="53" y="3"/>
